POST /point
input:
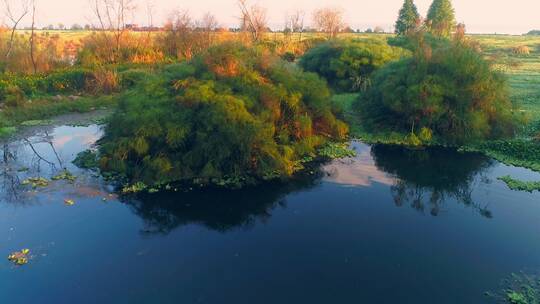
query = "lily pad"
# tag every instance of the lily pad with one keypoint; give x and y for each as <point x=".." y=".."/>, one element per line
<point x="36" y="182"/>
<point x="65" y="175"/>
<point x="19" y="258"/>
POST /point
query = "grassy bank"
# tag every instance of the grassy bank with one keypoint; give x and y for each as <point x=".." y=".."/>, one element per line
<point x="13" y="118"/>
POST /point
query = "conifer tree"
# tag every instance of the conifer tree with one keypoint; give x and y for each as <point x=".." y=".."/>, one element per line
<point x="441" y="18"/>
<point x="408" y="18"/>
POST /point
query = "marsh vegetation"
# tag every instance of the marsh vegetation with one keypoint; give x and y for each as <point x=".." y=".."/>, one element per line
<point x="219" y="129"/>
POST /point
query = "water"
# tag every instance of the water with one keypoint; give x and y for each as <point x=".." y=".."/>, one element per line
<point x="389" y="226"/>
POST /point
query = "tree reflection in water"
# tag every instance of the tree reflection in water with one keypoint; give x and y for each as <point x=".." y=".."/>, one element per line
<point x="427" y="178"/>
<point x="22" y="158"/>
<point x="218" y="210"/>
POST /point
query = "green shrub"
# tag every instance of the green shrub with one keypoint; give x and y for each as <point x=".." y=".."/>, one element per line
<point x="130" y="78"/>
<point x="450" y="89"/>
<point x="233" y="114"/>
<point x="348" y="65"/>
<point x="65" y="81"/>
<point x="289" y="56"/>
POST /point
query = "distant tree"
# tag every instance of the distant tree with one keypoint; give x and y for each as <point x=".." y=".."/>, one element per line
<point x="112" y="16"/>
<point x="76" y="27"/>
<point x="378" y="30"/>
<point x="408" y="18"/>
<point x="369" y="31"/>
<point x="208" y="24"/>
<point x="441" y="19"/>
<point x="329" y="21"/>
<point x="253" y="19"/>
<point x="348" y="29"/>
<point x="61" y="26"/>
<point x="294" y="23"/>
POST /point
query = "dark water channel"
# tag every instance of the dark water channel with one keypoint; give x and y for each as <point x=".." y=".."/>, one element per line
<point x="388" y="226"/>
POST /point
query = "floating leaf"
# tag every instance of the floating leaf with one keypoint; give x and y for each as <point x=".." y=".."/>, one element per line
<point x="19" y="258"/>
<point x="65" y="175"/>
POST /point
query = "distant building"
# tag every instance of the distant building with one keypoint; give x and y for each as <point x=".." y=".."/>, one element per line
<point x="132" y="27"/>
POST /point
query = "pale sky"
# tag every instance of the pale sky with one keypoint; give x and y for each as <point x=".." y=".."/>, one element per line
<point x="480" y="16"/>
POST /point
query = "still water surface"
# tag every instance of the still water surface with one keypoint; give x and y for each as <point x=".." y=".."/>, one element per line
<point x="388" y="226"/>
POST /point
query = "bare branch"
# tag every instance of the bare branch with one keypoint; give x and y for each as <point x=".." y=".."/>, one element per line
<point x="329" y="20"/>
<point x="253" y="19"/>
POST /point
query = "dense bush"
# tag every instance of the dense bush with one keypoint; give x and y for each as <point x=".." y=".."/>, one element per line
<point x="230" y="116"/>
<point x="67" y="81"/>
<point x="132" y="77"/>
<point x="348" y="65"/>
<point x="450" y="90"/>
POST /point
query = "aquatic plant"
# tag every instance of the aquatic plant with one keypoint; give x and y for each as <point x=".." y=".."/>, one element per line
<point x="87" y="159"/>
<point x="518" y="288"/>
<point x="19" y="258"/>
<point x="519" y="185"/>
<point x="64" y="175"/>
<point x="517" y="152"/>
<point x="134" y="188"/>
<point x="6" y="131"/>
<point x="336" y="150"/>
<point x="36" y="182"/>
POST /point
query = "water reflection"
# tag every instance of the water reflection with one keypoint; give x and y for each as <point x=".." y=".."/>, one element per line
<point x="358" y="171"/>
<point x="40" y="152"/>
<point x="426" y="179"/>
<point x="218" y="210"/>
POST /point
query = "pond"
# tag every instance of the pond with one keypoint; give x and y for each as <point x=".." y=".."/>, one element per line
<point x="388" y="226"/>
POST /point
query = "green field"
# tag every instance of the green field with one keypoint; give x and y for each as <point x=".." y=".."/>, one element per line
<point x="523" y="70"/>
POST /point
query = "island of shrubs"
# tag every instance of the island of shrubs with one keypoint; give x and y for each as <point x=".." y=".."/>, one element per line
<point x="231" y="117"/>
<point x="445" y="92"/>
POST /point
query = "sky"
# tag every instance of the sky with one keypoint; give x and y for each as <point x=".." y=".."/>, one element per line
<point x="480" y="16"/>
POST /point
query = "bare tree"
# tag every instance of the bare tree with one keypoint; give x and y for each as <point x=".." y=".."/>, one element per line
<point x="150" y="8"/>
<point x="208" y="24"/>
<point x="253" y="19"/>
<point x="295" y="22"/>
<point x="14" y="17"/>
<point x="180" y="39"/>
<point x="112" y="16"/>
<point x="32" y="37"/>
<point x="329" y="20"/>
